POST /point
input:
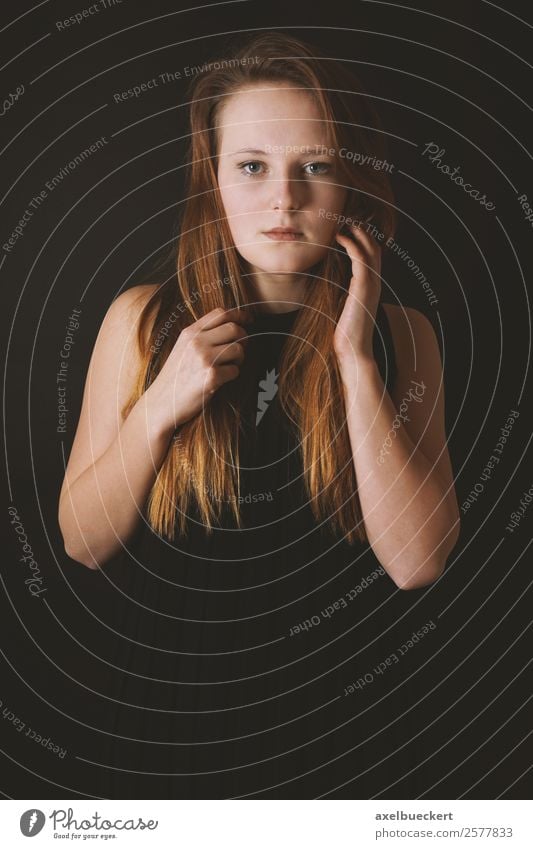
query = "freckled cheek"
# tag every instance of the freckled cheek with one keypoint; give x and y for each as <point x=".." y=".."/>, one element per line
<point x="239" y="198"/>
<point x="324" y="227"/>
<point x="244" y="212"/>
<point x="327" y="199"/>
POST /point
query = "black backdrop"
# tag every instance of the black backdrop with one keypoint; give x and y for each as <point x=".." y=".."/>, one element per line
<point x="454" y="74"/>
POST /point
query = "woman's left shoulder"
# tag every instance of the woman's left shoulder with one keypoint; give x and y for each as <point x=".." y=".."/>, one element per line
<point x="414" y="337"/>
<point x="402" y="318"/>
<point x="420" y="379"/>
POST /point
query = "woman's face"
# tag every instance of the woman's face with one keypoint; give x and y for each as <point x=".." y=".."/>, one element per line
<point x="275" y="170"/>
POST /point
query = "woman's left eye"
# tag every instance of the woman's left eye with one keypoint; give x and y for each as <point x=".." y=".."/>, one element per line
<point x="323" y="166"/>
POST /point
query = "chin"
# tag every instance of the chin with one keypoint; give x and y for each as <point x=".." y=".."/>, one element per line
<point x="282" y="267"/>
<point x="280" y="261"/>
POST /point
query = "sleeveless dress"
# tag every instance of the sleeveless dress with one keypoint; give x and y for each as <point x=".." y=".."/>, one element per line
<point x="265" y="662"/>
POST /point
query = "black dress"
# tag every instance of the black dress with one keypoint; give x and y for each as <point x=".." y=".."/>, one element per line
<point x="264" y="662"/>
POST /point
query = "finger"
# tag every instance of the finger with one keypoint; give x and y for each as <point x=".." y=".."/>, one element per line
<point x="370" y="243"/>
<point x="217" y="317"/>
<point x="226" y="333"/>
<point x="354" y="251"/>
<point x="361" y="264"/>
<point x="228" y="354"/>
<point x="358" y="253"/>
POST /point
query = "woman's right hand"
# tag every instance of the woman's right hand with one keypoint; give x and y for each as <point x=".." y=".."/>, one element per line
<point x="206" y="355"/>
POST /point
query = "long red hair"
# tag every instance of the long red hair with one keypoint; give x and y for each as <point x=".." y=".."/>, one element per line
<point x="202" y="462"/>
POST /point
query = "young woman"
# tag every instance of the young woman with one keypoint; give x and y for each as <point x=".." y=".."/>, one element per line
<point x="262" y="440"/>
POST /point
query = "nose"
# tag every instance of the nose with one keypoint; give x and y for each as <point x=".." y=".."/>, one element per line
<point x="285" y="193"/>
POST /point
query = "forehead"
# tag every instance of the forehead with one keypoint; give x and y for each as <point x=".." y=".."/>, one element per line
<point x="269" y="113"/>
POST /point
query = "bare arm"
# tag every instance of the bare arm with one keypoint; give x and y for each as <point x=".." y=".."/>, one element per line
<point x="113" y="463"/>
<point x="401" y="459"/>
<point x="402" y="466"/>
<point x="100" y="510"/>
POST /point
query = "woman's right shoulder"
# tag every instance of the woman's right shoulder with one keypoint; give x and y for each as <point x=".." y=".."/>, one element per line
<point x="116" y="358"/>
<point x="120" y="322"/>
<point x="128" y="306"/>
<point x="111" y="377"/>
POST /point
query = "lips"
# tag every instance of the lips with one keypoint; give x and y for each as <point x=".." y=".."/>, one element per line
<point x="284" y="234"/>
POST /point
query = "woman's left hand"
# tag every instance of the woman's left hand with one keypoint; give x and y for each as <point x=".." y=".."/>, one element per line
<point x="353" y="337"/>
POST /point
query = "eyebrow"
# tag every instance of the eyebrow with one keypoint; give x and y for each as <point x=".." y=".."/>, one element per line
<point x="247" y="150"/>
<point x="264" y="153"/>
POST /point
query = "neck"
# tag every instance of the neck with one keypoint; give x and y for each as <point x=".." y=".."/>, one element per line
<point x="277" y="293"/>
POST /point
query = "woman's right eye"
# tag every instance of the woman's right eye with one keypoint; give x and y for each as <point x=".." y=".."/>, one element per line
<point x="244" y="165"/>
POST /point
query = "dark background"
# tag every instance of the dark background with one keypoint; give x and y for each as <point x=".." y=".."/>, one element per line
<point x="453" y="73"/>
